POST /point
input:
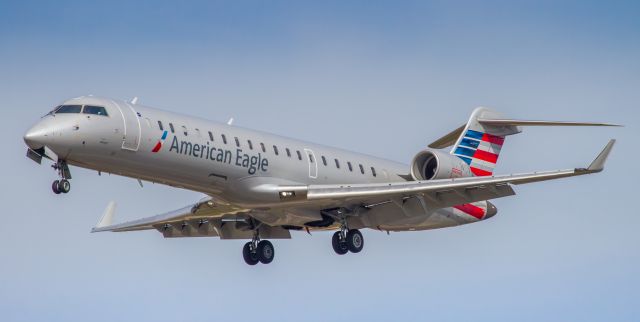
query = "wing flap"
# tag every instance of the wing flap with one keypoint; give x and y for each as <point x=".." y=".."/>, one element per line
<point x="203" y="219"/>
<point x="204" y="209"/>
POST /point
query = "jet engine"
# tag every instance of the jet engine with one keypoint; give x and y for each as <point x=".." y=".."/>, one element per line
<point x="433" y="164"/>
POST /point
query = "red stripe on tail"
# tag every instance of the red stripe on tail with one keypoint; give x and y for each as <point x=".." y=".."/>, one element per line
<point x="480" y="172"/>
<point x="493" y="139"/>
<point x="486" y="156"/>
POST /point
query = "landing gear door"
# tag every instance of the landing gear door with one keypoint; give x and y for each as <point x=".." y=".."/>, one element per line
<point x="132" y="130"/>
<point x="313" y="164"/>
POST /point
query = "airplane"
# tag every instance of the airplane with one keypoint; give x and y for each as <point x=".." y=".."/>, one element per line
<point x="261" y="186"/>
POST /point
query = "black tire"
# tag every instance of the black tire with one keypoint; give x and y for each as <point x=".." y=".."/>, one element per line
<point x="64" y="186"/>
<point x="339" y="246"/>
<point x="249" y="257"/>
<point x="55" y="187"/>
<point x="355" y="241"/>
<point x="266" y="252"/>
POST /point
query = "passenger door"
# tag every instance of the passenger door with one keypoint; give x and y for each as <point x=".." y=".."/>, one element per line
<point x="313" y="163"/>
<point x="132" y="130"/>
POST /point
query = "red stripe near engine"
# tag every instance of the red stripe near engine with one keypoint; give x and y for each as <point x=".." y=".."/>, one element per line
<point x="470" y="209"/>
<point x="493" y="139"/>
<point x="486" y="156"/>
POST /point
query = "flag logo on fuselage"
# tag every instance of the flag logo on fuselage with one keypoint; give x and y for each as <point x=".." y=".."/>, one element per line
<point x="158" y="145"/>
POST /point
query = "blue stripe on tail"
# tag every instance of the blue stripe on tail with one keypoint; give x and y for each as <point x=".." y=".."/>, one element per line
<point x="474" y="134"/>
<point x="465" y="151"/>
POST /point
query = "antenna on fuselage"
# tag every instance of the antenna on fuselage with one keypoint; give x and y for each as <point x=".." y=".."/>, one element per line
<point x="230" y="121"/>
<point x="134" y="100"/>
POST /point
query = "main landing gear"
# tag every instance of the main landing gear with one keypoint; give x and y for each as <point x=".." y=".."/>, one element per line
<point x="62" y="185"/>
<point x="258" y="251"/>
<point x="347" y="240"/>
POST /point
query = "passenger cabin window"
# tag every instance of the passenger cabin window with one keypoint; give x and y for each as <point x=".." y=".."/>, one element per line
<point x="224" y="139"/>
<point x="361" y="168"/>
<point x="324" y="160"/>
<point x="95" y="110"/>
<point x="311" y="158"/>
<point x="299" y="155"/>
<point x="64" y="109"/>
<point x="337" y="163"/>
<point x="263" y="148"/>
<point x="275" y="150"/>
<point x="210" y="136"/>
<point x="171" y="127"/>
<point x="160" y="126"/>
<point x="184" y="130"/>
<point x="288" y="152"/>
<point x="250" y="144"/>
<point x="373" y="171"/>
<point x="237" y="141"/>
<point x="350" y="167"/>
<point x="198" y="134"/>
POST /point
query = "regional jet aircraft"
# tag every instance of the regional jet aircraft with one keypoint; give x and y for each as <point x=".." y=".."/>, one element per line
<point x="261" y="186"/>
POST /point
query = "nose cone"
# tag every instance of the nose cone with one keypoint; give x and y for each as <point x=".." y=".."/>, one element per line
<point x="492" y="210"/>
<point x="37" y="136"/>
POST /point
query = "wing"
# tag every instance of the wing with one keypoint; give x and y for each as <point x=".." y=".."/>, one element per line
<point x="436" y="193"/>
<point x="206" y="218"/>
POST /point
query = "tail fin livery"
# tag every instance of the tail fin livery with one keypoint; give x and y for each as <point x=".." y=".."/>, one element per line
<point x="479" y="142"/>
<point x="479" y="145"/>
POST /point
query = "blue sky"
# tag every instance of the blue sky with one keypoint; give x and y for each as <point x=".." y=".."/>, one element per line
<point x="380" y="77"/>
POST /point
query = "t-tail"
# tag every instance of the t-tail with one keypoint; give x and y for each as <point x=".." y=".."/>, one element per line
<point x="479" y="142"/>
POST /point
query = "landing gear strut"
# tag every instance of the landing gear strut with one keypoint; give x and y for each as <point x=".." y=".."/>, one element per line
<point x="347" y="240"/>
<point x="258" y="251"/>
<point x="62" y="185"/>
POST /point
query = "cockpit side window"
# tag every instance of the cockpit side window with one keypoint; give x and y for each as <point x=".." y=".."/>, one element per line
<point x="54" y="110"/>
<point x="68" y="109"/>
<point x="95" y="110"/>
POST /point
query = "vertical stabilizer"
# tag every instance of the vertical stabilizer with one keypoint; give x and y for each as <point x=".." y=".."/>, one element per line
<point x="479" y="145"/>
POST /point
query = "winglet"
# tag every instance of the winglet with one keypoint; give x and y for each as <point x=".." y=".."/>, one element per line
<point x="107" y="217"/>
<point x="598" y="164"/>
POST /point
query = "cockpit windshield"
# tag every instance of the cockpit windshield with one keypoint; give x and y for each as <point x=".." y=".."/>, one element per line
<point x="96" y="110"/>
<point x="68" y="109"/>
<point x="86" y="109"/>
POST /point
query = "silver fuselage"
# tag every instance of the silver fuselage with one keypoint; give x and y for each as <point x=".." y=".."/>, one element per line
<point x="223" y="161"/>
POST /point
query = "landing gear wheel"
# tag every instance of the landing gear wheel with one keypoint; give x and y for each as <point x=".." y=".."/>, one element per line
<point x="354" y="241"/>
<point x="339" y="245"/>
<point x="64" y="186"/>
<point x="265" y="252"/>
<point x="55" y="187"/>
<point x="250" y="257"/>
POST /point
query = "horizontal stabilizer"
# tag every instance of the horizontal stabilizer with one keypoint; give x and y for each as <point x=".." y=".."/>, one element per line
<point x="447" y="140"/>
<point x="505" y="122"/>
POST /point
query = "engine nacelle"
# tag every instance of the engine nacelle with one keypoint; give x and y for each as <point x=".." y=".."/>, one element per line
<point x="433" y="164"/>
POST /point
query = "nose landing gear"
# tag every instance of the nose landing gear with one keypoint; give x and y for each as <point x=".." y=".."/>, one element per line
<point x="62" y="185"/>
